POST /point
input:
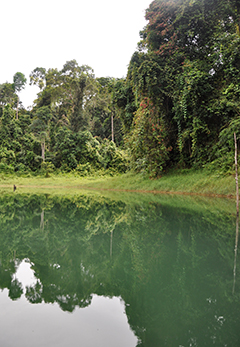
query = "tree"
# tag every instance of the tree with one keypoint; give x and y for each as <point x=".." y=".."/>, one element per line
<point x="38" y="77"/>
<point x="7" y="95"/>
<point x="78" y="89"/>
<point x="98" y="109"/>
<point x="19" y="81"/>
<point x="40" y="127"/>
<point x="126" y="103"/>
<point x="16" y="290"/>
<point x="67" y="92"/>
<point x="102" y="108"/>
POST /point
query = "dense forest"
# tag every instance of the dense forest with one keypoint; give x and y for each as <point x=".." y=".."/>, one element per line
<point x="177" y="107"/>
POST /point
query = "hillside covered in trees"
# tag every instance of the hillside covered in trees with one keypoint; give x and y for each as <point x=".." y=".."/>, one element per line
<point x="177" y="107"/>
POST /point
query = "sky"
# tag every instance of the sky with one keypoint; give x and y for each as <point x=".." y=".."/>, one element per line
<point x="100" y="33"/>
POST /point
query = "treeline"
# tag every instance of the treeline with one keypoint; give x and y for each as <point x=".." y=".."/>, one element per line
<point x="177" y="107"/>
<point x="74" y="124"/>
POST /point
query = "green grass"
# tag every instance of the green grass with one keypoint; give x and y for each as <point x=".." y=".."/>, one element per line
<point x="198" y="182"/>
<point x="187" y="182"/>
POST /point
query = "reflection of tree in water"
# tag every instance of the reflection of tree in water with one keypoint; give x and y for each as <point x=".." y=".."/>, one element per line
<point x="235" y="253"/>
<point x="34" y="293"/>
<point x="171" y="267"/>
<point x="15" y="290"/>
<point x="8" y="280"/>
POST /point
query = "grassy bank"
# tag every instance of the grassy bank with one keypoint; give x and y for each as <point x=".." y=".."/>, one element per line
<point x="187" y="182"/>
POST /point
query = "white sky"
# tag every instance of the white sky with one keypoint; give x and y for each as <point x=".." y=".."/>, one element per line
<point x="100" y="33"/>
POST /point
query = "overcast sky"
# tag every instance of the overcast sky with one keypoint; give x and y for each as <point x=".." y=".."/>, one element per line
<point x="100" y="33"/>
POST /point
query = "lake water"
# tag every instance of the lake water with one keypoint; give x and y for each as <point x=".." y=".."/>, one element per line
<point x="125" y="270"/>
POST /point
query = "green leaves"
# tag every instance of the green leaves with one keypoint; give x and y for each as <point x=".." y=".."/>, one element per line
<point x="19" y="81"/>
<point x="7" y="94"/>
<point x="67" y="91"/>
<point x="76" y="150"/>
<point x="188" y="66"/>
<point x="148" y="141"/>
<point x="37" y="77"/>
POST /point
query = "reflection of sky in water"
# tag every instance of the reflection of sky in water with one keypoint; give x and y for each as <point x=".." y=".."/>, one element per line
<point x="25" y="275"/>
<point x="103" y="323"/>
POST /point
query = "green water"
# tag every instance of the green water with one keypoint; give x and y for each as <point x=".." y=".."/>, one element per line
<point x="122" y="270"/>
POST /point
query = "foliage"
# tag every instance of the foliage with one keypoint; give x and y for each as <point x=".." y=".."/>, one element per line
<point x="69" y="127"/>
<point x="40" y="127"/>
<point x="19" y="81"/>
<point x="78" y="151"/>
<point x="84" y="169"/>
<point x="7" y="95"/>
<point x="175" y="108"/>
<point x="47" y="168"/>
<point x="102" y="110"/>
<point x="187" y="64"/>
<point x="224" y="150"/>
<point x="18" y="148"/>
<point x="37" y="77"/>
<point x="148" y="141"/>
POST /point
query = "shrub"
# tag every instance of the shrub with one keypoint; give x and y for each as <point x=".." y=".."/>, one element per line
<point x="84" y="169"/>
<point x="47" y="168"/>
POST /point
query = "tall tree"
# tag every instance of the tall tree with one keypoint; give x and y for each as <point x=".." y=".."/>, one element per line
<point x="19" y="81"/>
<point x="103" y="111"/>
<point x="38" y="77"/>
<point x="7" y="95"/>
<point x="40" y="127"/>
<point x="78" y="89"/>
<point x="67" y="91"/>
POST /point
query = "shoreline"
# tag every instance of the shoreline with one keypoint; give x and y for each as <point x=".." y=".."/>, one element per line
<point x="97" y="187"/>
<point x="192" y="183"/>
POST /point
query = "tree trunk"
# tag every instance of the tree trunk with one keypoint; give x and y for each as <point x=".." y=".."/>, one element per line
<point x="111" y="244"/>
<point x="17" y="107"/>
<point x="42" y="220"/>
<point x="43" y="150"/>
<point x="236" y="177"/>
<point x="112" y="127"/>
<point x="235" y="255"/>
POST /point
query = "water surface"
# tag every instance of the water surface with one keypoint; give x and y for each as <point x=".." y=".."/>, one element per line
<point x="124" y="270"/>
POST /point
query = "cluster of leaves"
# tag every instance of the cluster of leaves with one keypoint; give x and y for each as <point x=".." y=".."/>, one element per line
<point x="187" y="66"/>
<point x="19" y="149"/>
<point x="148" y="141"/>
